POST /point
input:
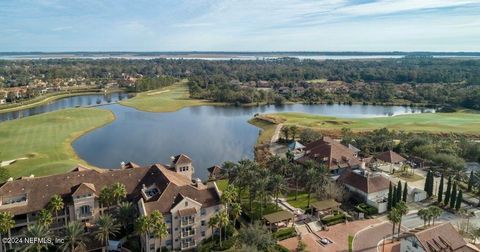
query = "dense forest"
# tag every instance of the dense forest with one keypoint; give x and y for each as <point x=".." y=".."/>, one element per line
<point x="435" y="81"/>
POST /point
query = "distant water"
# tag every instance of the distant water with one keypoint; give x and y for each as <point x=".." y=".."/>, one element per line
<point x="67" y="102"/>
<point x="208" y="134"/>
<point x="217" y="57"/>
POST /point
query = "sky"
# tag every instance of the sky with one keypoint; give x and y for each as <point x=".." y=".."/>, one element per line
<point x="239" y="25"/>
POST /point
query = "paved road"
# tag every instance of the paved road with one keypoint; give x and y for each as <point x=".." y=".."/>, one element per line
<point x="366" y="240"/>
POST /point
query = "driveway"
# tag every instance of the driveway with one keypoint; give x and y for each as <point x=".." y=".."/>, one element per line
<point x="367" y="239"/>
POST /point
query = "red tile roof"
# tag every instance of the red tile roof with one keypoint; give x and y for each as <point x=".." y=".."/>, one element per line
<point x="331" y="153"/>
<point x="367" y="183"/>
<point x="390" y="157"/>
<point x="442" y="237"/>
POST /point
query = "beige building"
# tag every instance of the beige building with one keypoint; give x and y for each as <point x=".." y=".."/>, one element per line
<point x="186" y="204"/>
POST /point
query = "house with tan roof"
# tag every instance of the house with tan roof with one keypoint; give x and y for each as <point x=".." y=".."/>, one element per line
<point x="442" y="237"/>
<point x="334" y="155"/>
<point x="186" y="204"/>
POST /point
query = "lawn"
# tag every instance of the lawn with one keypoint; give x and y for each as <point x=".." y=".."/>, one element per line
<point x="46" y="140"/>
<point x="459" y="122"/>
<point x="167" y="99"/>
<point x="268" y="129"/>
<point x="302" y="200"/>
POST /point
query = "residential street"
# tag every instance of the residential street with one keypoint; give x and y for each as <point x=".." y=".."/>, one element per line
<point x="367" y="239"/>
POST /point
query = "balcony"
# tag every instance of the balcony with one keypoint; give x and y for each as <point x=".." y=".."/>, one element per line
<point x="188" y="245"/>
<point x="187" y="222"/>
<point x="188" y="233"/>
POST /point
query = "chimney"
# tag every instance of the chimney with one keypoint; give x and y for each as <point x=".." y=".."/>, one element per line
<point x="198" y="182"/>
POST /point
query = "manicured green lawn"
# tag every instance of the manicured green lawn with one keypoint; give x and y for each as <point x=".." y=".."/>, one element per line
<point x="268" y="129"/>
<point x="302" y="200"/>
<point x="167" y="99"/>
<point x="46" y="140"/>
<point x="459" y="122"/>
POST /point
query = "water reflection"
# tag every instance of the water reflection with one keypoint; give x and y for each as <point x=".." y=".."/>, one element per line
<point x="68" y="102"/>
<point x="208" y="134"/>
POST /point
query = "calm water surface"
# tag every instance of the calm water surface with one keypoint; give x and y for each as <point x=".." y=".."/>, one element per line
<point x="67" y="102"/>
<point x="208" y="134"/>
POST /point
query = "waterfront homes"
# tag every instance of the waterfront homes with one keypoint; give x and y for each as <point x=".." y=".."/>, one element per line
<point x="336" y="156"/>
<point x="442" y="237"/>
<point x="372" y="188"/>
<point x="186" y="204"/>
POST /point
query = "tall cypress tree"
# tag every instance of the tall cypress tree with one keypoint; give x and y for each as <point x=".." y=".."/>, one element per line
<point x="390" y="198"/>
<point x="470" y="182"/>
<point x="427" y="180"/>
<point x="440" y="190"/>
<point x="399" y="191"/>
<point x="405" y="192"/>
<point x="459" y="200"/>
<point x="453" y="197"/>
<point x="448" y="192"/>
<point x="394" y="197"/>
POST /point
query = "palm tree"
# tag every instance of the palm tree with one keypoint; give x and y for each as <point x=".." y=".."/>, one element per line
<point x="143" y="226"/>
<point x="229" y="195"/>
<point x="106" y="226"/>
<point x="159" y="228"/>
<point x="402" y="209"/>
<point x="235" y="211"/>
<point x="44" y="218"/>
<point x="74" y="238"/>
<point x="37" y="231"/>
<point x="125" y="213"/>
<point x="106" y="197"/>
<point x="297" y="176"/>
<point x="435" y="212"/>
<point x="277" y="185"/>
<point x="55" y="205"/>
<point x="213" y="222"/>
<point x="394" y="217"/>
<point x="424" y="215"/>
<point x="223" y="223"/>
<point x="119" y="192"/>
<point x="6" y="223"/>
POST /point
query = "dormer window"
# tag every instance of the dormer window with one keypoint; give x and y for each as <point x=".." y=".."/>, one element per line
<point x="14" y="200"/>
<point x="149" y="192"/>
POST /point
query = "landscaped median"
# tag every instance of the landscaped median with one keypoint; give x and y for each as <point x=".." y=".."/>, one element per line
<point x="45" y="140"/>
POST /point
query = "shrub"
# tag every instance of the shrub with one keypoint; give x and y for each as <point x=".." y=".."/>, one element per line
<point x="366" y="209"/>
<point x="285" y="233"/>
<point x="335" y="219"/>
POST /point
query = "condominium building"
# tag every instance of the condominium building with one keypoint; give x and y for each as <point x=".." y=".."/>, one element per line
<point x="186" y="203"/>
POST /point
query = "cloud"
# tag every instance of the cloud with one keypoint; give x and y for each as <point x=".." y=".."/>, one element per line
<point x="62" y="28"/>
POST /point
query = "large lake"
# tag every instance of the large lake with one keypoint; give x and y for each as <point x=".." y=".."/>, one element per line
<point x="67" y="102"/>
<point x="208" y="134"/>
